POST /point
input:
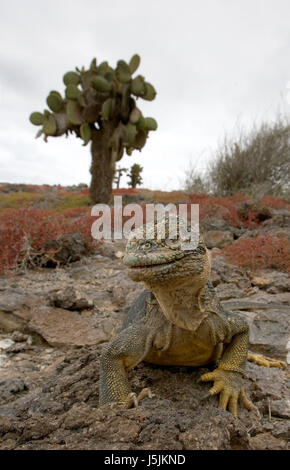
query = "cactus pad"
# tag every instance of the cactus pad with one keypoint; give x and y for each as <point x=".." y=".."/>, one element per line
<point x="129" y="150"/>
<point x="36" y="118"/>
<point x="138" y="86"/>
<point x="150" y="124"/>
<point x="141" y="124"/>
<point x="85" y="132"/>
<point x="140" y="140"/>
<point x="101" y="84"/>
<point x="123" y="72"/>
<point x="135" y="115"/>
<point x="131" y="133"/>
<point x="134" y="63"/>
<point x="110" y="75"/>
<point x="103" y="68"/>
<point x="93" y="65"/>
<point x="71" y="78"/>
<point x="150" y="92"/>
<point x="73" y="112"/>
<point x="54" y="102"/>
<point x="56" y="93"/>
<point x="49" y="127"/>
<point x="72" y="92"/>
<point x="107" y="109"/>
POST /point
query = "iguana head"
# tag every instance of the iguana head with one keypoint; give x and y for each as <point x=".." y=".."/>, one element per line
<point x="156" y="260"/>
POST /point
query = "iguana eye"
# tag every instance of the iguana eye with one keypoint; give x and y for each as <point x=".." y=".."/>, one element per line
<point x="147" y="245"/>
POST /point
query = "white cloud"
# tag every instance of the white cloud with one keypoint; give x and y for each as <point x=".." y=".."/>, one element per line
<point x="211" y="62"/>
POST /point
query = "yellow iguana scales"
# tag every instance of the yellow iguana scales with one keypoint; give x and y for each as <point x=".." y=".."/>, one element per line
<point x="177" y="320"/>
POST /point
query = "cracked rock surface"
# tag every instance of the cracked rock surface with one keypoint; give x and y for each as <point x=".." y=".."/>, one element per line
<point x="54" y="324"/>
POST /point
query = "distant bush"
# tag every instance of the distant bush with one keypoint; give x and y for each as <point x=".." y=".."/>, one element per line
<point x="256" y="162"/>
<point x="134" y="173"/>
<point x="196" y="181"/>
<point x="263" y="251"/>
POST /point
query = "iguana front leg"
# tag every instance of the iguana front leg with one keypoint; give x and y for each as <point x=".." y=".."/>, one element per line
<point x="125" y="352"/>
<point x="228" y="377"/>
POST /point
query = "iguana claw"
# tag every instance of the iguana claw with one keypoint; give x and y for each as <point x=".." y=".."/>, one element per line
<point x="229" y="385"/>
<point x="265" y="361"/>
<point x="132" y="400"/>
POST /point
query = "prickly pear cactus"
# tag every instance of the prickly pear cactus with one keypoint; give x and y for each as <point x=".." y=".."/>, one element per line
<point x="99" y="106"/>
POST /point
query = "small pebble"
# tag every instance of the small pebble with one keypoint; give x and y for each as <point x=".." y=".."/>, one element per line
<point x="6" y="343"/>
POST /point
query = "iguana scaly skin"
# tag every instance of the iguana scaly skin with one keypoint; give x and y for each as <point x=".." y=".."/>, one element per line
<point x="177" y="320"/>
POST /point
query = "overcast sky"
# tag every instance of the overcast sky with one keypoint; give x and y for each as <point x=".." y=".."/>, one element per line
<point x="212" y="62"/>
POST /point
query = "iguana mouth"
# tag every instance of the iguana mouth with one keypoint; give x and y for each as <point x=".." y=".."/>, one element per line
<point x="152" y="266"/>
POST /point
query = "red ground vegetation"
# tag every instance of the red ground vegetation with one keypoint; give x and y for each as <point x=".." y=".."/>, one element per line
<point x="23" y="226"/>
<point x="261" y="252"/>
<point x="275" y="202"/>
<point x="225" y="207"/>
<point x="123" y="191"/>
<point x="30" y="229"/>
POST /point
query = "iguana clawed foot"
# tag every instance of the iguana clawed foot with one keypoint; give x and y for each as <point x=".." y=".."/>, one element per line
<point x="229" y="385"/>
<point x="265" y="361"/>
<point x="132" y="400"/>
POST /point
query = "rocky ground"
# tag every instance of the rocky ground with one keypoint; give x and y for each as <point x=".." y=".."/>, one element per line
<point x="54" y="324"/>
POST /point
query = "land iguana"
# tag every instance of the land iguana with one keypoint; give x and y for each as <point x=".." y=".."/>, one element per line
<point x="178" y="320"/>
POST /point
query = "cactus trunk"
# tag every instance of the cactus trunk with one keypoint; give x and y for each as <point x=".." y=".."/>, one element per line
<point x="102" y="170"/>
